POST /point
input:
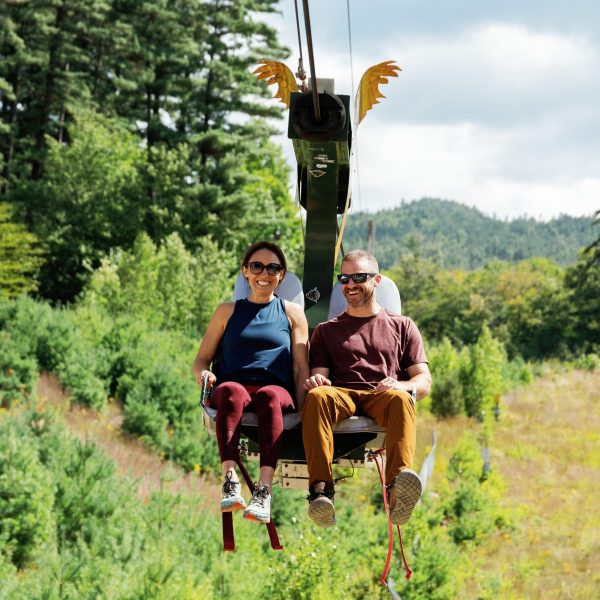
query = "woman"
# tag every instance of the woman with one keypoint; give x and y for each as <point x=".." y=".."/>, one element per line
<point x="261" y="344"/>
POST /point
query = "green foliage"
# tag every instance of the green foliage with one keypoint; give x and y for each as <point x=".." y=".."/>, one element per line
<point x="517" y="373"/>
<point x="20" y="256"/>
<point x="456" y="236"/>
<point x="525" y="305"/>
<point x="145" y="419"/>
<point x="165" y="286"/>
<point x="447" y="394"/>
<point x="93" y="355"/>
<point x="94" y="190"/>
<point x="582" y="306"/>
<point x="481" y="374"/>
<point x="26" y="497"/>
<point x="588" y="362"/>
<point x="436" y="569"/>
<point x="470" y="509"/>
<point x="17" y="371"/>
<point x="58" y="343"/>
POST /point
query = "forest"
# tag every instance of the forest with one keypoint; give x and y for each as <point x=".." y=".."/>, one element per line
<point x="136" y="165"/>
<point x="456" y="236"/>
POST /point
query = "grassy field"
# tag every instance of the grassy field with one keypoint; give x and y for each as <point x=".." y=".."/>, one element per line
<point x="546" y="447"/>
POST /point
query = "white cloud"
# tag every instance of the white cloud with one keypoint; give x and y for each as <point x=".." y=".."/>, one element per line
<point x="466" y="163"/>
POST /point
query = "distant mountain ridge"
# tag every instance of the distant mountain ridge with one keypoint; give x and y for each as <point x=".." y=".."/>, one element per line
<point x="462" y="237"/>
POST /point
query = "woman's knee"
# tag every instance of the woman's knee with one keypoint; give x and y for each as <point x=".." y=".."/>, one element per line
<point x="229" y="394"/>
<point x="272" y="396"/>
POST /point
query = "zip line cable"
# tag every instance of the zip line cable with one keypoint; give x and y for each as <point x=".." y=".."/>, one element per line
<point x="354" y="133"/>
<point x="301" y="73"/>
<point x="311" y="60"/>
<point x="350" y="48"/>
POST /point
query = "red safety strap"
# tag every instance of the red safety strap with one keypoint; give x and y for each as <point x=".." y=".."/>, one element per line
<point x="227" y="519"/>
<point x="228" y="536"/>
<point x="376" y="455"/>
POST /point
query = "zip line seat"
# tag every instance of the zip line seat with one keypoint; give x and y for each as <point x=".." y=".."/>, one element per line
<point x="352" y="436"/>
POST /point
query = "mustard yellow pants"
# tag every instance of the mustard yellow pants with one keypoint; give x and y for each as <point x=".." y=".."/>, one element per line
<point x="324" y="406"/>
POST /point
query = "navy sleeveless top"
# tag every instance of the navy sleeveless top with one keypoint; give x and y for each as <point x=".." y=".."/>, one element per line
<point x="256" y="345"/>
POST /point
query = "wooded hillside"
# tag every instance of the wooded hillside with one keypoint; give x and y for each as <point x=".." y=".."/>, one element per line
<point x="456" y="236"/>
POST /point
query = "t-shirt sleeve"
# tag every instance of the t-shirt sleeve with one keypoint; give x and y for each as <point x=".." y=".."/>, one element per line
<point x="318" y="354"/>
<point x="414" y="351"/>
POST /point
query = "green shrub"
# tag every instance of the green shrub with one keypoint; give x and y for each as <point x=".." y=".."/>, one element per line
<point x="17" y="372"/>
<point x="64" y="343"/>
<point x="164" y="386"/>
<point x="588" y="362"/>
<point x="8" y="577"/>
<point x="517" y="372"/>
<point x="144" y="418"/>
<point x="166" y="286"/>
<point x="470" y="508"/>
<point x="447" y="395"/>
<point x="193" y="448"/>
<point x="481" y="374"/>
<point x="44" y="333"/>
<point x="26" y="496"/>
<point x="438" y="569"/>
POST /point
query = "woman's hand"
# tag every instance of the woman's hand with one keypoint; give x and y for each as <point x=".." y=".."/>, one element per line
<point x="210" y="381"/>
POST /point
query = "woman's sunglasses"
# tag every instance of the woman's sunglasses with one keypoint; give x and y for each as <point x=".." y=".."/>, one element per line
<point x="356" y="277"/>
<point x="256" y="268"/>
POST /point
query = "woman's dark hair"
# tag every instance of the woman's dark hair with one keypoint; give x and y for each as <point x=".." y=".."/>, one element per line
<point x="274" y="248"/>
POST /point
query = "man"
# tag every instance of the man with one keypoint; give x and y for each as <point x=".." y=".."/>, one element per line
<point x="367" y="361"/>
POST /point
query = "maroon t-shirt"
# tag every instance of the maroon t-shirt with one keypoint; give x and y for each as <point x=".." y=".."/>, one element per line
<point x="361" y="351"/>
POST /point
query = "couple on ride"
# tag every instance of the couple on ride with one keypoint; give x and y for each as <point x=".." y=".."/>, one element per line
<point x="365" y="361"/>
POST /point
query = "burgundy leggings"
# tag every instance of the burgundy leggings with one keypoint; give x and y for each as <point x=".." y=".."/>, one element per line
<point x="269" y="402"/>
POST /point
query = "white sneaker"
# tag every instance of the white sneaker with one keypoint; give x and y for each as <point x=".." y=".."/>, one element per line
<point x="404" y="495"/>
<point x="259" y="508"/>
<point x="231" y="498"/>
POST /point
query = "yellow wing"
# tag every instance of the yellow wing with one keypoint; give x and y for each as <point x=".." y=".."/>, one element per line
<point x="368" y="90"/>
<point x="276" y="72"/>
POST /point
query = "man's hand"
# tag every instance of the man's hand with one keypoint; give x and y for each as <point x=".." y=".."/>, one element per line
<point x="389" y="383"/>
<point x="315" y="381"/>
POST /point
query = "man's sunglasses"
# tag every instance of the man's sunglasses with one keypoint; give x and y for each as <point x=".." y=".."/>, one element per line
<point x="356" y="277"/>
<point x="256" y="268"/>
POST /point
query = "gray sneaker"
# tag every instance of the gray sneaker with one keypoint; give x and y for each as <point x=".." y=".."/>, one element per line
<point x="259" y="508"/>
<point x="231" y="497"/>
<point x="320" y="505"/>
<point x="404" y="493"/>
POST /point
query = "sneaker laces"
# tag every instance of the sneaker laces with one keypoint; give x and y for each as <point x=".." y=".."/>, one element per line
<point x="230" y="486"/>
<point x="260" y="495"/>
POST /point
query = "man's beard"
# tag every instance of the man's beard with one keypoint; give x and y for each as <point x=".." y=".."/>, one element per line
<point x="364" y="299"/>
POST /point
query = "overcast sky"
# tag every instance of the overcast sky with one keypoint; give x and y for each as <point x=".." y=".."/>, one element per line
<point x="497" y="105"/>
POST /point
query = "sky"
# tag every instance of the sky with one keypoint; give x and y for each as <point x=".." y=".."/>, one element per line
<point x="497" y="105"/>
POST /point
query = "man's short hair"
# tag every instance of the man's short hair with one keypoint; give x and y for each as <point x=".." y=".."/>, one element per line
<point x="362" y="255"/>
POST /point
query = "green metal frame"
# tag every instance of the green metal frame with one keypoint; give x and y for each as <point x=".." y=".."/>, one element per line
<point x="322" y="161"/>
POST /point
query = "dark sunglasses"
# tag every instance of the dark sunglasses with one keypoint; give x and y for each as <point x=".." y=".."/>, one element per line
<point x="256" y="268"/>
<point x="356" y="277"/>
